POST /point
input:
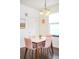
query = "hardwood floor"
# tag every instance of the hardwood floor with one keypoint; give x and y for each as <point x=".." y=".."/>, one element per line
<point x="55" y="56"/>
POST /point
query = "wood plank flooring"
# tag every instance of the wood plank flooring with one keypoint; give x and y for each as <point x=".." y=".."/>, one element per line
<point x="55" y="56"/>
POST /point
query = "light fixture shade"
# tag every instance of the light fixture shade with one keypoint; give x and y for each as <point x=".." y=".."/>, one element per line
<point x="44" y="12"/>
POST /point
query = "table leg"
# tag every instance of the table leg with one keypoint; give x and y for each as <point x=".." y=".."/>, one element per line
<point x="37" y="53"/>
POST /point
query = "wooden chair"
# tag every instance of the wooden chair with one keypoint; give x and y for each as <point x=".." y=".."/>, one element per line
<point x="29" y="48"/>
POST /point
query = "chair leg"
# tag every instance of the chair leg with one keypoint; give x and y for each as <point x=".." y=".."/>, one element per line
<point x="25" y="53"/>
<point x="46" y="53"/>
<point x="33" y="54"/>
<point x="52" y="48"/>
<point x="50" y="51"/>
<point x="41" y="53"/>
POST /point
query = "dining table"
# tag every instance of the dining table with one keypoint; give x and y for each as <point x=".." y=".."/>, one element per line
<point x="38" y="43"/>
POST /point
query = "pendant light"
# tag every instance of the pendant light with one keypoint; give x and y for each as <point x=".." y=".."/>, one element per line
<point x="45" y="11"/>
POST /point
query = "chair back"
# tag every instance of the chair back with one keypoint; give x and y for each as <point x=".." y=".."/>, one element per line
<point x="28" y="42"/>
<point x="48" y="41"/>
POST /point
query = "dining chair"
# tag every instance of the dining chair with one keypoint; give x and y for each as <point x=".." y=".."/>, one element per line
<point x="49" y="42"/>
<point x="48" y="47"/>
<point x="29" y="51"/>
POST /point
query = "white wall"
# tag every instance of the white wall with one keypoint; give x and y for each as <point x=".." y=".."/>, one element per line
<point x="32" y="22"/>
<point x="44" y="27"/>
<point x="33" y="25"/>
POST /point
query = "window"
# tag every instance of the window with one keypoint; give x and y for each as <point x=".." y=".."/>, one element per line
<point x="54" y="24"/>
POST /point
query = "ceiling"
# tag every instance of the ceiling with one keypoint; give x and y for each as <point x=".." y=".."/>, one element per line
<point x="39" y="4"/>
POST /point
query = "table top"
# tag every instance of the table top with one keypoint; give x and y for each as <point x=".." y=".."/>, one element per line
<point x="37" y="40"/>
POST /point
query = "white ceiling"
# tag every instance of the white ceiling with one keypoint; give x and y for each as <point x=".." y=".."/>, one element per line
<point x="39" y="4"/>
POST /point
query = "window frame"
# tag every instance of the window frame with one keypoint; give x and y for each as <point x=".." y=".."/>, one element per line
<point x="54" y="23"/>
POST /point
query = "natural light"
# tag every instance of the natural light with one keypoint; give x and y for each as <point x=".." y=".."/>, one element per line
<point x="54" y="23"/>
